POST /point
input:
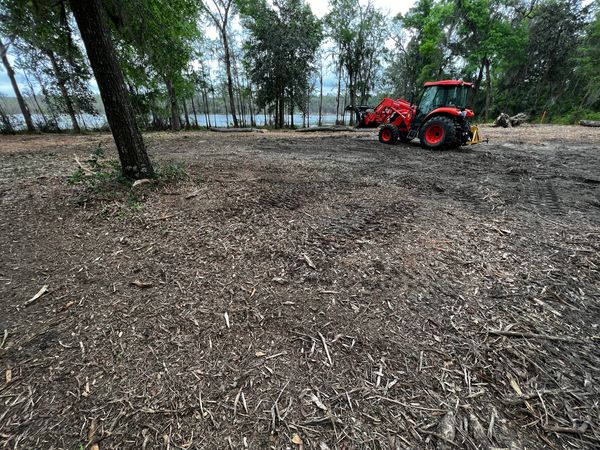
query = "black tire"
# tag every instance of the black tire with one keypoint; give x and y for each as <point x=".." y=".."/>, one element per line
<point x="438" y="132"/>
<point x="389" y="134"/>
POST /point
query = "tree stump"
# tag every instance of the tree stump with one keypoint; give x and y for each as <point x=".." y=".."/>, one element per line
<point x="506" y="121"/>
<point x="503" y="120"/>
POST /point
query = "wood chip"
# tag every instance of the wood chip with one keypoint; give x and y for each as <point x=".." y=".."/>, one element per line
<point x="8" y="376"/>
<point x="140" y="182"/>
<point x="142" y="284"/>
<point x="41" y="292"/>
<point x="309" y="261"/>
<point x="318" y="403"/>
<point x="296" y="439"/>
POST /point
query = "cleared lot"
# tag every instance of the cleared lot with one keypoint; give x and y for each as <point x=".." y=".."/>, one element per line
<point x="315" y="290"/>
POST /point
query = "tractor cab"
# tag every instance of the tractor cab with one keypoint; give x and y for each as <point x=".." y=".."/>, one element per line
<point x="451" y="94"/>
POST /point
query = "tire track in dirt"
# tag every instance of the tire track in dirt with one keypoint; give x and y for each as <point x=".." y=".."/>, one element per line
<point x="357" y="223"/>
<point x="541" y="195"/>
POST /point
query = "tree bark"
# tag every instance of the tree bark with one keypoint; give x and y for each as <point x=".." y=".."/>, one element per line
<point x="35" y="100"/>
<point x="11" y="75"/>
<point x="185" y="114"/>
<point x="227" y="58"/>
<point x="488" y="90"/>
<point x="339" y="91"/>
<point x="194" y="110"/>
<point x="352" y="89"/>
<point x="60" y="79"/>
<point x="226" y="110"/>
<point x="321" y="96"/>
<point x="251" y="100"/>
<point x="91" y="20"/>
<point x="175" y="122"/>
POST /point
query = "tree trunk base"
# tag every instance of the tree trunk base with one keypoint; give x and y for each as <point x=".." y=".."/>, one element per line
<point x="506" y="121"/>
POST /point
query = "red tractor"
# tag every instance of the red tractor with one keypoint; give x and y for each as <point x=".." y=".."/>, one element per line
<point x="440" y="119"/>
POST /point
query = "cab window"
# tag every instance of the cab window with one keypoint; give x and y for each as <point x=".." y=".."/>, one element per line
<point x="429" y="99"/>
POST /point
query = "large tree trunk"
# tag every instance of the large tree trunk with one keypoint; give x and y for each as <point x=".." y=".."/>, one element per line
<point x="11" y="75"/>
<point x="90" y="17"/>
<point x="227" y="59"/>
<point x="62" y="85"/>
<point x="175" y="122"/>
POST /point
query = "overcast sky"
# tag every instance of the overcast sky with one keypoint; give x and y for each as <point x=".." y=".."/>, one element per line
<point x="320" y="8"/>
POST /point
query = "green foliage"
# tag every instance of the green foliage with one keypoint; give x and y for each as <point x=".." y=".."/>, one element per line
<point x="358" y="32"/>
<point x="575" y="115"/>
<point x="156" y="43"/>
<point x="171" y="172"/>
<point x="280" y="51"/>
<point x="589" y="61"/>
<point x="521" y="55"/>
<point x="97" y="171"/>
<point x="47" y="50"/>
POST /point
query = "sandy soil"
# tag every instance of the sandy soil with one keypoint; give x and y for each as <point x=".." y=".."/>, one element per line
<point x="302" y="290"/>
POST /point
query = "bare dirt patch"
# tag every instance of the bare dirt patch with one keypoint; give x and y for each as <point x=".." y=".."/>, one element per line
<point x="295" y="290"/>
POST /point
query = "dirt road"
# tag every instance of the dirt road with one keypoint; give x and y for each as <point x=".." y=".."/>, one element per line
<point x="297" y="290"/>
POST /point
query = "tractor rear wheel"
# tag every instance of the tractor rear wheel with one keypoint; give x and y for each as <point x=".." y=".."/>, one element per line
<point x="389" y="134"/>
<point x="438" y="132"/>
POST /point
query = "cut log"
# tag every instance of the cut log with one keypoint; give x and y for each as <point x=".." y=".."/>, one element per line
<point x="237" y="130"/>
<point x="312" y="129"/>
<point x="590" y="123"/>
<point x="518" y="119"/>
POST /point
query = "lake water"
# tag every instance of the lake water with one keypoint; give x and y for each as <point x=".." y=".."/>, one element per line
<point x="89" y="121"/>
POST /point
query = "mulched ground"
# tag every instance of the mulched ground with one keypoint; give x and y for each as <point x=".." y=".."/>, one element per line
<point x="315" y="291"/>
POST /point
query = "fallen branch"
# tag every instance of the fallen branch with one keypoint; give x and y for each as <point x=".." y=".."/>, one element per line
<point x="337" y="128"/>
<point x="41" y="292"/>
<point x="236" y="130"/>
<point x="326" y="349"/>
<point x="547" y="337"/>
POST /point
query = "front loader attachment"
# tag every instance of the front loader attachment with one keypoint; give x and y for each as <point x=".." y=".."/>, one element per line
<point x="363" y="116"/>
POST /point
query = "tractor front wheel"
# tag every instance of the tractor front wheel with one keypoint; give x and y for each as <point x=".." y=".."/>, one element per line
<point x="389" y="134"/>
<point x="438" y="132"/>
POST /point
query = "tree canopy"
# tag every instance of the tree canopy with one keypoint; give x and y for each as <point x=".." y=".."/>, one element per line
<point x="535" y="56"/>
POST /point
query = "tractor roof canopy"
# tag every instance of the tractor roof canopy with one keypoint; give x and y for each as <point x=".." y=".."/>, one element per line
<point x="448" y="83"/>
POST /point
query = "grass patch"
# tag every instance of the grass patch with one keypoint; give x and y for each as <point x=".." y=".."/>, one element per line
<point x="171" y="171"/>
<point x="575" y="115"/>
<point x="99" y="180"/>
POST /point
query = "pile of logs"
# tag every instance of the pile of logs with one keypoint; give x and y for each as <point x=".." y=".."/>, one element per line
<point x="506" y="121"/>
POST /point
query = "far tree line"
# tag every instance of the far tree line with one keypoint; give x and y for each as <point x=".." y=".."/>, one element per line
<point x="536" y="56"/>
